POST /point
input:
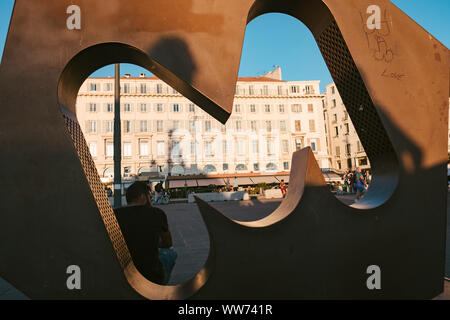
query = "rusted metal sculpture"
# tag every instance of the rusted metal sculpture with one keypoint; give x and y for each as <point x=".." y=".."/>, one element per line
<point x="394" y="80"/>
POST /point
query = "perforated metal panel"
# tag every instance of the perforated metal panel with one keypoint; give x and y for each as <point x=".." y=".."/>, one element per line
<point x="98" y="191"/>
<point x="353" y="92"/>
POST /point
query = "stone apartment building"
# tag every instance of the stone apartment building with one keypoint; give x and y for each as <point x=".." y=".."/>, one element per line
<point x="344" y="146"/>
<point x="164" y="132"/>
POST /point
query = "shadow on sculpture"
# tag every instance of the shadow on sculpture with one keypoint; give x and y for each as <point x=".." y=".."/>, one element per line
<point x="312" y="246"/>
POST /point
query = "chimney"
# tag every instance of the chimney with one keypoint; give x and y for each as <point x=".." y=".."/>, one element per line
<point x="275" y="74"/>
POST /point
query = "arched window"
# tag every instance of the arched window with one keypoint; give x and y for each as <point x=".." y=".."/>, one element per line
<point x="144" y="170"/>
<point x="271" y="166"/>
<point x="108" y="173"/>
<point x="241" y="167"/>
<point x="177" y="170"/>
<point x="209" y="168"/>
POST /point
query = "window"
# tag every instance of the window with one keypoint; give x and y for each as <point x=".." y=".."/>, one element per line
<point x="358" y="146"/>
<point x="334" y="117"/>
<point x="280" y="90"/>
<point x="92" y="87"/>
<point x="333" y="102"/>
<point x="127" y="126"/>
<point x="348" y="148"/>
<point x="269" y="126"/>
<point x="159" y="107"/>
<point x="93" y="149"/>
<point x="281" y="108"/>
<point x="109" y="107"/>
<point x="143" y="88"/>
<point x="332" y="90"/>
<point x="310" y="107"/>
<point x="336" y="131"/>
<point x="108" y="87"/>
<point x="252" y="108"/>
<point x="282" y="125"/>
<point x="176" y="107"/>
<point x="126" y="171"/>
<point x="127" y="149"/>
<point x="176" y="125"/>
<point x="143" y="148"/>
<point x="237" y="91"/>
<point x="345" y="115"/>
<point x="92" y="126"/>
<point x="238" y="125"/>
<point x="192" y="126"/>
<point x="224" y="148"/>
<point x="251" y="90"/>
<point x="161" y="148"/>
<point x="363" y="161"/>
<point x="312" y="126"/>
<point x="298" y="125"/>
<point x="208" y="126"/>
<point x="237" y="108"/>
<point x="176" y="148"/>
<point x="109" y="127"/>
<point x="241" y="167"/>
<point x="225" y="166"/>
<point x="223" y="128"/>
<point x="270" y="147"/>
<point x="143" y="107"/>
<point x="267" y="108"/>
<point x="159" y="88"/>
<point x="240" y="147"/>
<point x="159" y="126"/>
<point x="347" y="129"/>
<point x="92" y="107"/>
<point x="295" y="89"/>
<point x="271" y="167"/>
<point x="127" y="107"/>
<point x="208" y="148"/>
<point x="313" y="146"/>
<point x="298" y="144"/>
<point x="193" y="147"/>
<point x="265" y="90"/>
<point x="255" y="147"/>
<point x="109" y="149"/>
<point x="339" y="165"/>
<point x="308" y="90"/>
<point x="143" y="126"/>
<point x="253" y="126"/>
<point x="296" y="108"/>
<point x="191" y="107"/>
<point x="338" y="151"/>
<point x="256" y="166"/>
<point x="126" y="88"/>
<point x="284" y="146"/>
<point x="286" y="166"/>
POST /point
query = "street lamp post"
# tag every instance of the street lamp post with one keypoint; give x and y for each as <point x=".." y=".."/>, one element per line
<point x="117" y="142"/>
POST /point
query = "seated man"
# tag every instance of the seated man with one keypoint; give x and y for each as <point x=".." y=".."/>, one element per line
<point x="147" y="234"/>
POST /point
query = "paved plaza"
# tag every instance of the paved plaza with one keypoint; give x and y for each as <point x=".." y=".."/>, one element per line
<point x="190" y="237"/>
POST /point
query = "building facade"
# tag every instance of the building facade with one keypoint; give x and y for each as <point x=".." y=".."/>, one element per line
<point x="164" y="132"/>
<point x="344" y="147"/>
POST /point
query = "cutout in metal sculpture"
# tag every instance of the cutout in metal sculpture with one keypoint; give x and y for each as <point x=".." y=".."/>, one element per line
<point x="394" y="81"/>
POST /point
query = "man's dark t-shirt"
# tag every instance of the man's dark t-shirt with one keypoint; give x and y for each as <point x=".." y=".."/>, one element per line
<point x="141" y="227"/>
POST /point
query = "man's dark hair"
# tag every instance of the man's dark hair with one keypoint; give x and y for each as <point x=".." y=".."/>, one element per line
<point x="136" y="190"/>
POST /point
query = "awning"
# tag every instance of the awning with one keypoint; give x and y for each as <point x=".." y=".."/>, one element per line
<point x="242" y="181"/>
<point x="267" y="179"/>
<point x="207" y="182"/>
<point x="191" y="182"/>
<point x="176" y="183"/>
<point x="285" y="178"/>
<point x="331" y="177"/>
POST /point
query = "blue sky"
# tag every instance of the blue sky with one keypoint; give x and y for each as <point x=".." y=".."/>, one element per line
<point x="276" y="39"/>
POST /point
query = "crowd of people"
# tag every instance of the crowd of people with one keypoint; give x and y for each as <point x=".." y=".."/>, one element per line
<point x="356" y="182"/>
